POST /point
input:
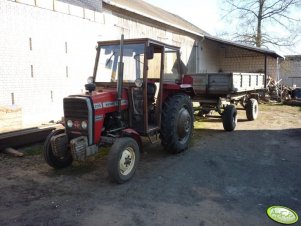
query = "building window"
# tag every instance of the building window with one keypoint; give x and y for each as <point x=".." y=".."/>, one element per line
<point x="30" y="44"/>
<point x="31" y="70"/>
<point x="67" y="71"/>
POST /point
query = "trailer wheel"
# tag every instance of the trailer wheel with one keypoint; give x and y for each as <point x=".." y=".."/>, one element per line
<point x="49" y="156"/>
<point x="252" y="109"/>
<point x="177" y="123"/>
<point x="229" y="118"/>
<point x="123" y="159"/>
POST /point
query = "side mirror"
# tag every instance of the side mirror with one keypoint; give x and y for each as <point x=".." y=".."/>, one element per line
<point x="149" y="51"/>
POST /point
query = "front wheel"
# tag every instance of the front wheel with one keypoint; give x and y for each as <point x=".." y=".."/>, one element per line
<point x="229" y="118"/>
<point x="54" y="160"/>
<point x="123" y="159"/>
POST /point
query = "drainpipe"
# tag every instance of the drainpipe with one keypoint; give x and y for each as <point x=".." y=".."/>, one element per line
<point x="198" y="46"/>
<point x="265" y="70"/>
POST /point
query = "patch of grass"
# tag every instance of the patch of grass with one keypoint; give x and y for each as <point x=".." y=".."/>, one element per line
<point x="35" y="149"/>
<point x="198" y="124"/>
<point x="103" y="151"/>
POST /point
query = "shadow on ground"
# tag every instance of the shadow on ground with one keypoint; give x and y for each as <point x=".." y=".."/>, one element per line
<point x="223" y="179"/>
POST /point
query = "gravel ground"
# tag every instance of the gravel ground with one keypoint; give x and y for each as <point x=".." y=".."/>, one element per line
<point x="224" y="178"/>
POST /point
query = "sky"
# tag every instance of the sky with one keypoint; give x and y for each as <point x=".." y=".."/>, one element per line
<point x="206" y="14"/>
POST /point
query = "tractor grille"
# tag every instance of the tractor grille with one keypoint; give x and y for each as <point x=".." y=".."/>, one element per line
<point x="76" y="109"/>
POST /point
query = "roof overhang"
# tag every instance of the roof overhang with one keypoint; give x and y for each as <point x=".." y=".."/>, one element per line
<point x="246" y="47"/>
<point x="123" y="7"/>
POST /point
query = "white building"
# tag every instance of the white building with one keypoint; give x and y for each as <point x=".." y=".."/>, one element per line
<point x="47" y="50"/>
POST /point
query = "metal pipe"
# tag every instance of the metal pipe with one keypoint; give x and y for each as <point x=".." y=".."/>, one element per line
<point x="96" y="62"/>
<point x="120" y="75"/>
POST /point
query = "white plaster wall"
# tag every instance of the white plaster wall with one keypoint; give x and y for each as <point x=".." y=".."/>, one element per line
<point x="209" y="60"/>
<point x="290" y="71"/>
<point x="51" y="25"/>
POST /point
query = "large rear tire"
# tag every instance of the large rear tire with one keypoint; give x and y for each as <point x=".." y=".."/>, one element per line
<point x="177" y="123"/>
<point x="123" y="159"/>
<point x="229" y="118"/>
<point x="252" y="109"/>
<point x="49" y="156"/>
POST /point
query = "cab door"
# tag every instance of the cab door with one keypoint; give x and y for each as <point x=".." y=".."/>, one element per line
<point x="153" y="89"/>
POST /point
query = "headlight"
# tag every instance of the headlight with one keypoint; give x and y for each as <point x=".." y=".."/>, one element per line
<point x="90" y="80"/>
<point x="139" y="82"/>
<point x="69" y="123"/>
<point x="84" y="125"/>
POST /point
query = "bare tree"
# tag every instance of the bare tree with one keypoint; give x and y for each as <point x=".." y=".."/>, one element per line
<point x="264" y="22"/>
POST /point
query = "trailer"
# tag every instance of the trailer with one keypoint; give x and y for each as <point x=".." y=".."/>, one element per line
<point x="222" y="92"/>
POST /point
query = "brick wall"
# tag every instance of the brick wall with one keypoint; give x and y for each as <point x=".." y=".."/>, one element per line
<point x="45" y="55"/>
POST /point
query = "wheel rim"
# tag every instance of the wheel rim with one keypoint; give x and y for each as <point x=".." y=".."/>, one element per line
<point x="255" y="109"/>
<point x="184" y="125"/>
<point x="127" y="161"/>
<point x="234" y="118"/>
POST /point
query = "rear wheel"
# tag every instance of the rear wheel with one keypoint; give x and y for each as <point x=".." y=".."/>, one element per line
<point x="52" y="159"/>
<point x="177" y="123"/>
<point x="252" y="109"/>
<point x="229" y="118"/>
<point x="123" y="159"/>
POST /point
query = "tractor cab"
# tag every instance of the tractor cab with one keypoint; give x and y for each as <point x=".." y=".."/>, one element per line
<point x="148" y="65"/>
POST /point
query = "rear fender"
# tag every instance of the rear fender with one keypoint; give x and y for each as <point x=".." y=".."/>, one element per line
<point x="171" y="89"/>
<point x="133" y="134"/>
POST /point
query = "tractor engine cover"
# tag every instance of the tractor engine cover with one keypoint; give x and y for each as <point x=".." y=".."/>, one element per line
<point x="80" y="149"/>
<point x="59" y="145"/>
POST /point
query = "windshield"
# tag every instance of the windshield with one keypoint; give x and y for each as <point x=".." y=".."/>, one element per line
<point x="133" y="58"/>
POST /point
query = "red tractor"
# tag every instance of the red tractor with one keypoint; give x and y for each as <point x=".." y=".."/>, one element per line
<point x="136" y="90"/>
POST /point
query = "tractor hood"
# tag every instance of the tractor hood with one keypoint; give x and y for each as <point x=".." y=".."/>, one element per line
<point x="106" y="99"/>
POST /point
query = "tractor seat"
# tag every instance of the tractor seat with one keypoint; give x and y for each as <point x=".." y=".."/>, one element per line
<point x="151" y="92"/>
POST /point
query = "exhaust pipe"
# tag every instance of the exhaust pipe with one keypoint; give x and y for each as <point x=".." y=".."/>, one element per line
<point x="120" y="77"/>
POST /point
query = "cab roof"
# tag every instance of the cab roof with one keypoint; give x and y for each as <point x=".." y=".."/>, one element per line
<point x="147" y="41"/>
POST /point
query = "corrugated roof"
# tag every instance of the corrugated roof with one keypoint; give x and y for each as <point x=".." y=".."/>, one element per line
<point x="145" y="9"/>
<point x="244" y="46"/>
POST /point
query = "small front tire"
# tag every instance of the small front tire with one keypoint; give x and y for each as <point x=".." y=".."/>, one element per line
<point x="49" y="156"/>
<point x="123" y="160"/>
